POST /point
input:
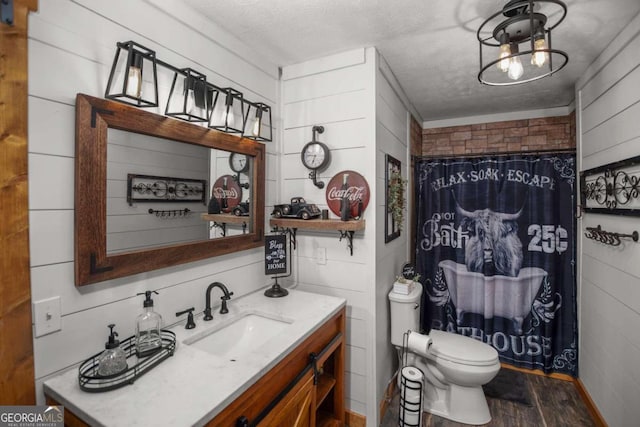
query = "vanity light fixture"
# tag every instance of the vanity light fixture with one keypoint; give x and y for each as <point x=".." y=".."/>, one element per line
<point x="188" y="96"/>
<point x="521" y="32"/>
<point x="228" y="111"/>
<point x="133" y="79"/>
<point x="258" y="122"/>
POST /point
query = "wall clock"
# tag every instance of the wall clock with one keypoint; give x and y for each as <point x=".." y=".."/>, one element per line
<point x="316" y="156"/>
<point x="238" y="162"/>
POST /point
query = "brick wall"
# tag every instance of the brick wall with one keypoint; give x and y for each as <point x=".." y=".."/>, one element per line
<point x="549" y="133"/>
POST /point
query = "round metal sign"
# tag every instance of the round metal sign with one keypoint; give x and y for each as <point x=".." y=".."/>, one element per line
<point x="352" y="187"/>
<point x="228" y="193"/>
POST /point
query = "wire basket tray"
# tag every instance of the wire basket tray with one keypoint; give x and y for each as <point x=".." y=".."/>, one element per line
<point x="92" y="382"/>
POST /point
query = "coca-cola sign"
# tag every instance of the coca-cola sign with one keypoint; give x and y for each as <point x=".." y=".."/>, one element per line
<point x="348" y="187"/>
<point x="227" y="191"/>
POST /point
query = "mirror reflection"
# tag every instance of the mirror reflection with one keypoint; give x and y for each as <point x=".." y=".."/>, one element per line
<point x="163" y="192"/>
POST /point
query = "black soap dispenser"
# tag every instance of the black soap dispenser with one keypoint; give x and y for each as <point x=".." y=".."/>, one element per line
<point x="113" y="360"/>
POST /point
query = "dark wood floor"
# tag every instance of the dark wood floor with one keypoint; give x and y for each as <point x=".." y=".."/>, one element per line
<point x="555" y="403"/>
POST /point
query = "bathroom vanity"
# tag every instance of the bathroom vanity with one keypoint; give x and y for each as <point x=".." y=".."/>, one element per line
<point x="271" y="361"/>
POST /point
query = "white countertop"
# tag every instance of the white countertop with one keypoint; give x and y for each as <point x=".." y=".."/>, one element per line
<point x="193" y="386"/>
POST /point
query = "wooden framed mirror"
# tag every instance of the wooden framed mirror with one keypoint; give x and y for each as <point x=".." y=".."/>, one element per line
<point x="106" y="214"/>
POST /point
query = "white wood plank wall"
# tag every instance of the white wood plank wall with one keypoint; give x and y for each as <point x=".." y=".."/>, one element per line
<point x="335" y="92"/>
<point x="392" y="138"/>
<point x="71" y="46"/>
<point x="609" y="130"/>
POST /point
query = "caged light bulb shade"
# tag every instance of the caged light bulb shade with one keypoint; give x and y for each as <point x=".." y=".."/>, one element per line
<point x="539" y="57"/>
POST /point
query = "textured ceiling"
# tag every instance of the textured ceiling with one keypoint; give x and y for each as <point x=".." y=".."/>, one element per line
<point x="430" y="45"/>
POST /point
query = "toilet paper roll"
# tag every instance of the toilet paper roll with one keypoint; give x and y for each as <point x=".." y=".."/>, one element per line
<point x="418" y="343"/>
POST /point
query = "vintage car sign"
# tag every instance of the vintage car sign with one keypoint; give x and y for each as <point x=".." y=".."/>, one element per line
<point x="352" y="186"/>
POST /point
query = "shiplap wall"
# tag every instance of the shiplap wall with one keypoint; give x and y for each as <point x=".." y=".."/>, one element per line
<point x="392" y="138"/>
<point x="71" y="46"/>
<point x="609" y="130"/>
<point x="338" y="93"/>
<point x="353" y="95"/>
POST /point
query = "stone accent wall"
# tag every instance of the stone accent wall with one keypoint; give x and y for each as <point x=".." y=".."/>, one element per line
<point x="548" y="133"/>
<point x="415" y="135"/>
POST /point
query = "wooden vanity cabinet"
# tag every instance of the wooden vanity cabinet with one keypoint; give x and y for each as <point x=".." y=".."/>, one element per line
<point x="306" y="404"/>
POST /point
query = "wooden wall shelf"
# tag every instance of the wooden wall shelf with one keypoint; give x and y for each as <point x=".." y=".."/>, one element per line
<point x="221" y="221"/>
<point x="345" y="228"/>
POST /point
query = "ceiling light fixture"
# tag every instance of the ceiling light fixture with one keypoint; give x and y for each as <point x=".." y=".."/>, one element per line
<point x="521" y="29"/>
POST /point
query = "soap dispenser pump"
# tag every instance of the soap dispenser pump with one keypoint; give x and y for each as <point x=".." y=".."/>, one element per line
<point x="148" y="326"/>
<point x="112" y="361"/>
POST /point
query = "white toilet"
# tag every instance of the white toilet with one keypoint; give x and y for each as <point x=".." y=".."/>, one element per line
<point x="454" y="366"/>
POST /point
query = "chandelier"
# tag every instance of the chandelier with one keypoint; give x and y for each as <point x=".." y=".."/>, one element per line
<point x="515" y="43"/>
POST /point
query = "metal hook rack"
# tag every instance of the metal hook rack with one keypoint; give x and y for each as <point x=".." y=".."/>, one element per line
<point x="170" y="213"/>
<point x="608" y="237"/>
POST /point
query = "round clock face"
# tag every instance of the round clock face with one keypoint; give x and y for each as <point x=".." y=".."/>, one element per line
<point x="238" y="162"/>
<point x="315" y="155"/>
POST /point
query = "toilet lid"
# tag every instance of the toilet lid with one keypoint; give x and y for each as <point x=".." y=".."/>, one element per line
<point x="461" y="349"/>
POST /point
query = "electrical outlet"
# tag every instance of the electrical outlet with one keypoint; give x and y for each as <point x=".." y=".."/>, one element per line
<point x="321" y="256"/>
<point x="46" y="316"/>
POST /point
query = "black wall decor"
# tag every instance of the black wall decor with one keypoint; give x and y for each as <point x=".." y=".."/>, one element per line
<point x="613" y="188"/>
<point x="149" y="188"/>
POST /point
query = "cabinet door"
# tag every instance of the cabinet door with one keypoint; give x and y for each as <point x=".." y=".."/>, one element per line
<point x="296" y="409"/>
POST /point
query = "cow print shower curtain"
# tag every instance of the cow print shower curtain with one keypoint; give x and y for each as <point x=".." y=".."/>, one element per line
<point x="495" y="248"/>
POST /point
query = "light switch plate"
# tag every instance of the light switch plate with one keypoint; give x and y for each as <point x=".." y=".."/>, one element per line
<point x="321" y="256"/>
<point x="46" y="316"/>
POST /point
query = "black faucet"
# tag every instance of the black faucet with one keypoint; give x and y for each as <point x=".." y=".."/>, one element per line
<point x="224" y="298"/>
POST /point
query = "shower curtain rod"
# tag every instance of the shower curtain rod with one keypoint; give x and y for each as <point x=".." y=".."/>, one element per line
<point x="478" y="155"/>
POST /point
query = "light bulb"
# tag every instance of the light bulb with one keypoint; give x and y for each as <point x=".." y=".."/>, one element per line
<point x="515" y="68"/>
<point x="231" y="120"/>
<point x="505" y="52"/>
<point x="255" y="131"/>
<point x="539" y="58"/>
<point x="134" y="82"/>
<point x="257" y="124"/>
<point x="191" y="101"/>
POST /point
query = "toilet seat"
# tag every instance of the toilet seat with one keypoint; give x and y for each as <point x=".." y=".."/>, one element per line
<point x="461" y="349"/>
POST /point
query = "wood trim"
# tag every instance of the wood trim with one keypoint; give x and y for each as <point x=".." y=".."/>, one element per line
<point x="92" y="262"/>
<point x="563" y="377"/>
<point x="353" y="419"/>
<point x="597" y="417"/>
<point x="17" y="378"/>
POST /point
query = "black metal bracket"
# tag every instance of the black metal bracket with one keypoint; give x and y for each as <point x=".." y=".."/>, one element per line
<point x="6" y="9"/>
<point x="236" y="178"/>
<point x="287" y="230"/>
<point x="349" y="235"/>
<point x="169" y="213"/>
<point x="93" y="266"/>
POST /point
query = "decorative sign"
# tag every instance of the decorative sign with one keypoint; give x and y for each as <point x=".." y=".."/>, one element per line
<point x="227" y="192"/>
<point x="149" y="188"/>
<point x="275" y="254"/>
<point x="612" y="189"/>
<point x="353" y="188"/>
<point x="408" y="271"/>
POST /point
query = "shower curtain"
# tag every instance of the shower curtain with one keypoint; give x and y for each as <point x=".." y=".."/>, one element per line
<point x="495" y="248"/>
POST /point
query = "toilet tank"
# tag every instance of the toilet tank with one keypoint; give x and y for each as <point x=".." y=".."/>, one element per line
<point x="405" y="313"/>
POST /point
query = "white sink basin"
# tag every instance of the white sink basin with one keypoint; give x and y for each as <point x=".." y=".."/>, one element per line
<point x="239" y="335"/>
